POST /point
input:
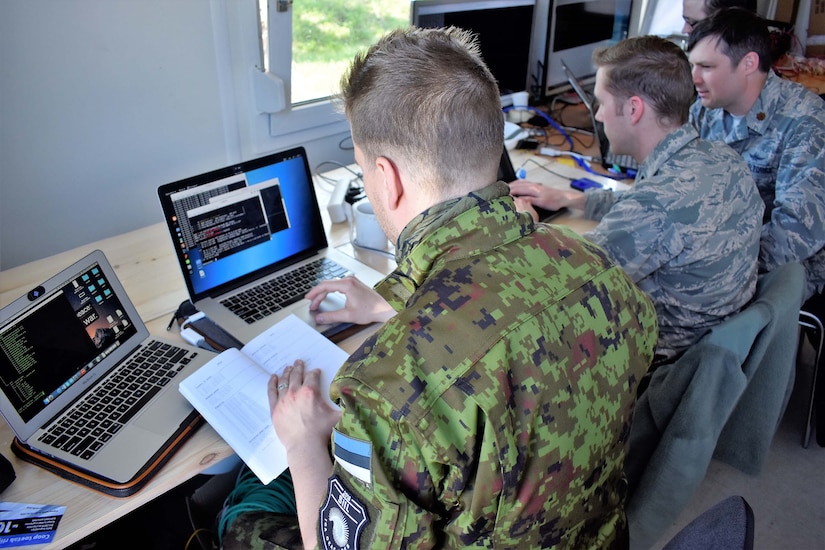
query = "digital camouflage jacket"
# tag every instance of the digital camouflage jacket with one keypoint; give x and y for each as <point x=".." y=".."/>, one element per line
<point x="492" y="410"/>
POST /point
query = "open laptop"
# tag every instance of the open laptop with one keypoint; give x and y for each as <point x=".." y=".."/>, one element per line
<point x="243" y="233"/>
<point x="625" y="163"/>
<point x="66" y="394"/>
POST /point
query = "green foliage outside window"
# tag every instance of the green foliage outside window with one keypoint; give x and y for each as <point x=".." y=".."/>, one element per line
<point x="328" y="33"/>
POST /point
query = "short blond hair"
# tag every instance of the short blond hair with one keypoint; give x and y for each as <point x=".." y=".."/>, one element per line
<point x="425" y="96"/>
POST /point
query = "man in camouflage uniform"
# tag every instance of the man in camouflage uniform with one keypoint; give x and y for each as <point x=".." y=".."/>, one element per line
<point x="491" y="408"/>
<point x="776" y="125"/>
<point x="687" y="232"/>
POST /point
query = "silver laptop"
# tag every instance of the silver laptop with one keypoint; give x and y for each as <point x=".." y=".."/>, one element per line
<point x="250" y="242"/>
<point x="88" y="393"/>
<point x="625" y="163"/>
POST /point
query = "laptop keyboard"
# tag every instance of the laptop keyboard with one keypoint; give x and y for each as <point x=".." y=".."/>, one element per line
<point x="622" y="161"/>
<point x="92" y="422"/>
<point x="275" y="294"/>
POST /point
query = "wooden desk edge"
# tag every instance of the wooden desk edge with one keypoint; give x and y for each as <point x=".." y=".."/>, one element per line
<point x="87" y="510"/>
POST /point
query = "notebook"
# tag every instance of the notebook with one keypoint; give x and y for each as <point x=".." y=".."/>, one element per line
<point x="65" y="349"/>
<point x="243" y="232"/>
<point x="609" y="160"/>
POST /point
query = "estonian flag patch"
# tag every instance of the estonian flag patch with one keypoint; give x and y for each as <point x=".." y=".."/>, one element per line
<point x="354" y="456"/>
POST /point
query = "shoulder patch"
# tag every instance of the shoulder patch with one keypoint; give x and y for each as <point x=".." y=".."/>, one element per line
<point x="354" y="455"/>
<point x="343" y="517"/>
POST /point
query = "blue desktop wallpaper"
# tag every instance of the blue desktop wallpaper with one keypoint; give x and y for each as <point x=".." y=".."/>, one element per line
<point x="302" y="211"/>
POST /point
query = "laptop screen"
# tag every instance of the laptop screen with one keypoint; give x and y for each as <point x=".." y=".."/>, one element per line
<point x="577" y="87"/>
<point x="52" y="347"/>
<point x="506" y="173"/>
<point x="235" y="224"/>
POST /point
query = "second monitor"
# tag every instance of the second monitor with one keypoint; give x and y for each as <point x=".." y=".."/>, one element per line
<point x="572" y="30"/>
<point x="504" y="29"/>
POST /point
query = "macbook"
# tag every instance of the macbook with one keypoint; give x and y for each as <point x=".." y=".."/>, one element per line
<point x="250" y="242"/>
<point x="88" y="393"/>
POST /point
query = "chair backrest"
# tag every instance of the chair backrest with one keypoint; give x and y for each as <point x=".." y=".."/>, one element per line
<point x="770" y="369"/>
<point x="723" y="398"/>
<point x="728" y="525"/>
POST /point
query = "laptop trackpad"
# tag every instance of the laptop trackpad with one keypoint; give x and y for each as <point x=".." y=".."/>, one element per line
<point x="155" y="418"/>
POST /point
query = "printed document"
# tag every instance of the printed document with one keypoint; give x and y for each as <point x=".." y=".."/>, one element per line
<point x="230" y="391"/>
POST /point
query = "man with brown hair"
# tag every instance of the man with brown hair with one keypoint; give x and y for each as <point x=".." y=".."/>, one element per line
<point x="687" y="232"/>
<point x="777" y="126"/>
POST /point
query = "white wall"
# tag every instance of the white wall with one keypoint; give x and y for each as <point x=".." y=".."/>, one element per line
<point x="101" y="101"/>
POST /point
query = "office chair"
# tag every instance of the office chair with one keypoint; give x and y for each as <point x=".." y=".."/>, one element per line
<point x="728" y="525"/>
<point x="812" y="327"/>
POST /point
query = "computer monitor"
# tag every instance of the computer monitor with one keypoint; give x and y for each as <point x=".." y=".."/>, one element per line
<point x="571" y="30"/>
<point x="504" y="29"/>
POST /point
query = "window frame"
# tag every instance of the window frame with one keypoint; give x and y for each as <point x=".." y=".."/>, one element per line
<point x="264" y="118"/>
<point x="320" y="118"/>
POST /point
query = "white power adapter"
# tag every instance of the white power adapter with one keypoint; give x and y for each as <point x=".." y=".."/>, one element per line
<point x="191" y="336"/>
<point x="337" y="205"/>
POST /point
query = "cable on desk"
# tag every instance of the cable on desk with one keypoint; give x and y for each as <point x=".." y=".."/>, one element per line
<point x="580" y="160"/>
<point x="557" y="174"/>
<point x="543" y="167"/>
<point x="556" y="100"/>
<point x="386" y="253"/>
<point x="545" y="117"/>
<point x="586" y="167"/>
<point x="574" y="133"/>
<point x="552" y="142"/>
<point x="539" y="132"/>
<point x="351" y="147"/>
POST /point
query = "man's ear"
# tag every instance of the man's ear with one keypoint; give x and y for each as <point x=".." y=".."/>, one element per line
<point x="750" y="62"/>
<point x="636" y="106"/>
<point x="393" y="186"/>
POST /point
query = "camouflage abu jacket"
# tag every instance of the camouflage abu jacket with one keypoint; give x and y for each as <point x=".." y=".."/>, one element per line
<point x="782" y="140"/>
<point x="687" y="232"/>
<point x="491" y="411"/>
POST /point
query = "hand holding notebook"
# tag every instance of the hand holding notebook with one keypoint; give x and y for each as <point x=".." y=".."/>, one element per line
<point x="230" y="391"/>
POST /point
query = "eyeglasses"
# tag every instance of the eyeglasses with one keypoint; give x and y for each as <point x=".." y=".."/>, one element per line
<point x="690" y="23"/>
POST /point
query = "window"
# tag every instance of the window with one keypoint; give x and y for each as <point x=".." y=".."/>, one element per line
<point x="665" y="20"/>
<point x="659" y="17"/>
<point x="324" y="37"/>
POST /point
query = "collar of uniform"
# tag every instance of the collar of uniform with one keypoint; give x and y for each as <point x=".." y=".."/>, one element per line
<point x="673" y="143"/>
<point x="442" y="213"/>
<point x="451" y="228"/>
<point x="759" y="117"/>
